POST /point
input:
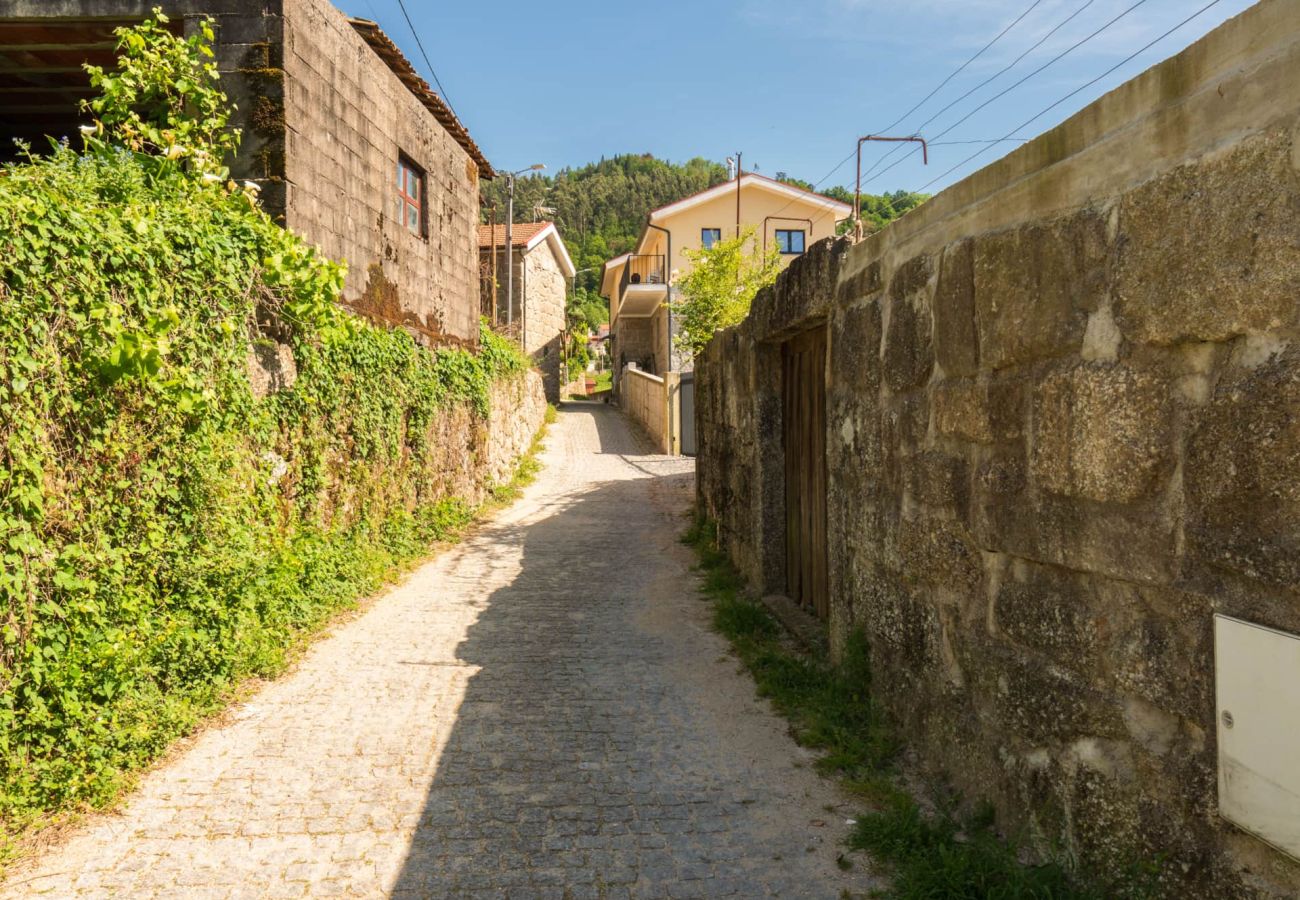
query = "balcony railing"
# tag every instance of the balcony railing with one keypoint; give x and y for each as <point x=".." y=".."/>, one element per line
<point x="644" y="269"/>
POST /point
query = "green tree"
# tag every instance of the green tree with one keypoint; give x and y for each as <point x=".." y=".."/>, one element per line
<point x="587" y="310"/>
<point x="877" y="210"/>
<point x="720" y="286"/>
<point x="164" y="96"/>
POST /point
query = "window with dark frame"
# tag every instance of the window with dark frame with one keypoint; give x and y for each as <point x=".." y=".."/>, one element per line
<point x="409" y="204"/>
<point x="709" y="237"/>
<point x="790" y="240"/>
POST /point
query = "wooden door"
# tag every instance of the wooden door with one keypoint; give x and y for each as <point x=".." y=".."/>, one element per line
<point x="804" y="402"/>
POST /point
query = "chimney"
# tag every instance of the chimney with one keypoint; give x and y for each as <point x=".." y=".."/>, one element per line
<point x="731" y="168"/>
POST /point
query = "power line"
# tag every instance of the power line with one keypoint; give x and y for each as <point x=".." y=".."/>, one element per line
<point x="950" y="77"/>
<point x="420" y="44"/>
<point x="1081" y="87"/>
<point x="1015" y="62"/>
<point x="1053" y="60"/>
<point x="1044" y="39"/>
<point x="963" y="66"/>
<point x="1068" y="50"/>
<point x="1001" y="140"/>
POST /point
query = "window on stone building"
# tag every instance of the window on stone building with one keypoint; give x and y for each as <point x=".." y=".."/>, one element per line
<point x="709" y="237"/>
<point x="409" y="203"/>
<point x="790" y="240"/>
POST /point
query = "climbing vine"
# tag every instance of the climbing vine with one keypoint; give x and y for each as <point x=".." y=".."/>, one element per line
<point x="165" y="532"/>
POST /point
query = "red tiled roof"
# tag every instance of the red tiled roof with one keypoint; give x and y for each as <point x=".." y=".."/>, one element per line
<point x="387" y="51"/>
<point x="521" y="234"/>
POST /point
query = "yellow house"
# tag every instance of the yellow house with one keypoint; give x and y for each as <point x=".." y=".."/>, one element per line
<point x="637" y="284"/>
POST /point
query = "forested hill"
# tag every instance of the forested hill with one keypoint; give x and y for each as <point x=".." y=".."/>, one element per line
<point x="601" y="208"/>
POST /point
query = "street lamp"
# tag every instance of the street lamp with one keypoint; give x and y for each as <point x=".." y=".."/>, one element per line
<point x="510" y="243"/>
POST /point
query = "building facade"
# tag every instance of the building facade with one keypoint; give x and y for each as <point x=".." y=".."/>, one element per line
<point x="351" y="147"/>
<point x="638" y="284"/>
<point x="542" y="273"/>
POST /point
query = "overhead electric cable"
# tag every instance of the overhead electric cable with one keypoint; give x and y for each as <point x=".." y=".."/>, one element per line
<point x="1015" y="62"/>
<point x="1081" y="87"/>
<point x="1001" y="140"/>
<point x="1001" y="34"/>
<point x="962" y="67"/>
<point x="1068" y="50"/>
<point x="429" y="65"/>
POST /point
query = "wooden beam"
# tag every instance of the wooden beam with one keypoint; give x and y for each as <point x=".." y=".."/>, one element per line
<point x="34" y="89"/>
<point x="40" y="48"/>
<point x="30" y="71"/>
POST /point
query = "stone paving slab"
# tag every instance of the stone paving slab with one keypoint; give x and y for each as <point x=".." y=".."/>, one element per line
<point x="539" y="712"/>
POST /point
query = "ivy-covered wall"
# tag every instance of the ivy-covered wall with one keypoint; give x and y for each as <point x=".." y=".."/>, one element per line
<point x="204" y="457"/>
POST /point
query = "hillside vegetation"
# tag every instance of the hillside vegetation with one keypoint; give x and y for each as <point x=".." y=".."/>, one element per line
<point x="601" y="208"/>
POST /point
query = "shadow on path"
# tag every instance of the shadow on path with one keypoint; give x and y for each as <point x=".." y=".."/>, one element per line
<point x="581" y="763"/>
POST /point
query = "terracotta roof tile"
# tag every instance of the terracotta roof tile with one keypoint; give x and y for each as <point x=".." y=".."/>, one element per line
<point x="387" y="51"/>
<point x="522" y="233"/>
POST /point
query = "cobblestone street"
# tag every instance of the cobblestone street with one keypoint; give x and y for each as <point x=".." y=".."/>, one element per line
<point x="539" y="712"/>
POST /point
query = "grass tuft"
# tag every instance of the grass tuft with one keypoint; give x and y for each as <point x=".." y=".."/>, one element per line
<point x="931" y="855"/>
<point x="528" y="467"/>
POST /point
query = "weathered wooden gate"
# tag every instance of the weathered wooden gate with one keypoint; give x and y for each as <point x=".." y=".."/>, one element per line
<point x="804" y="402"/>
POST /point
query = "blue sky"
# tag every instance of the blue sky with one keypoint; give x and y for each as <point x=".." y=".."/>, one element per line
<point x="790" y="83"/>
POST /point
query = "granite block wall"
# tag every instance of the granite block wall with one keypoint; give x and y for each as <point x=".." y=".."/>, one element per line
<point x="1063" y="432"/>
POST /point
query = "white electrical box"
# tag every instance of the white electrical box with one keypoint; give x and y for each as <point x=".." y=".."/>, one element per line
<point x="1257" y="699"/>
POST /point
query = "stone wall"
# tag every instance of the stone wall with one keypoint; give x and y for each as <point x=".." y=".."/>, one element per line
<point x="348" y="118"/>
<point x="467" y="455"/>
<point x="1063" y="402"/>
<point x="547" y="289"/>
<point x="324" y="120"/>
<point x="644" y="398"/>
<point x="518" y="412"/>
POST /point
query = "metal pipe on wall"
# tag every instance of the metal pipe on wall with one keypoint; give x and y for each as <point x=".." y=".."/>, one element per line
<point x="496" y="288"/>
<point x="740" y="173"/>
<point x="857" y="190"/>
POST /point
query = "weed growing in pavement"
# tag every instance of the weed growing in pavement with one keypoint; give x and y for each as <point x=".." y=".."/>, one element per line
<point x="931" y="855"/>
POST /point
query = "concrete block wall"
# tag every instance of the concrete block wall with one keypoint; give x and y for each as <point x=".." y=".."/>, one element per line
<point x="636" y="340"/>
<point x="324" y="120"/>
<point x="348" y="118"/>
<point x="1062" y="432"/>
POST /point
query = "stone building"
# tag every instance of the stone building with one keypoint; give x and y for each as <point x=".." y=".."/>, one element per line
<point x="640" y="285"/>
<point x="541" y="282"/>
<point x="351" y="147"/>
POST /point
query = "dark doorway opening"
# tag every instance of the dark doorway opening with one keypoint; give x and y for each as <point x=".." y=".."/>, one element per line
<point x="43" y="79"/>
<point x="804" y="418"/>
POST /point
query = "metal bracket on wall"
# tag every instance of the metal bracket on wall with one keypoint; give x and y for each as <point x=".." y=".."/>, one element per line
<point x="857" y="190"/>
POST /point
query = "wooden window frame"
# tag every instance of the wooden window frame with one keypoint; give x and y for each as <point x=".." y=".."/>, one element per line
<point x="407" y="170"/>
<point x="790" y="231"/>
